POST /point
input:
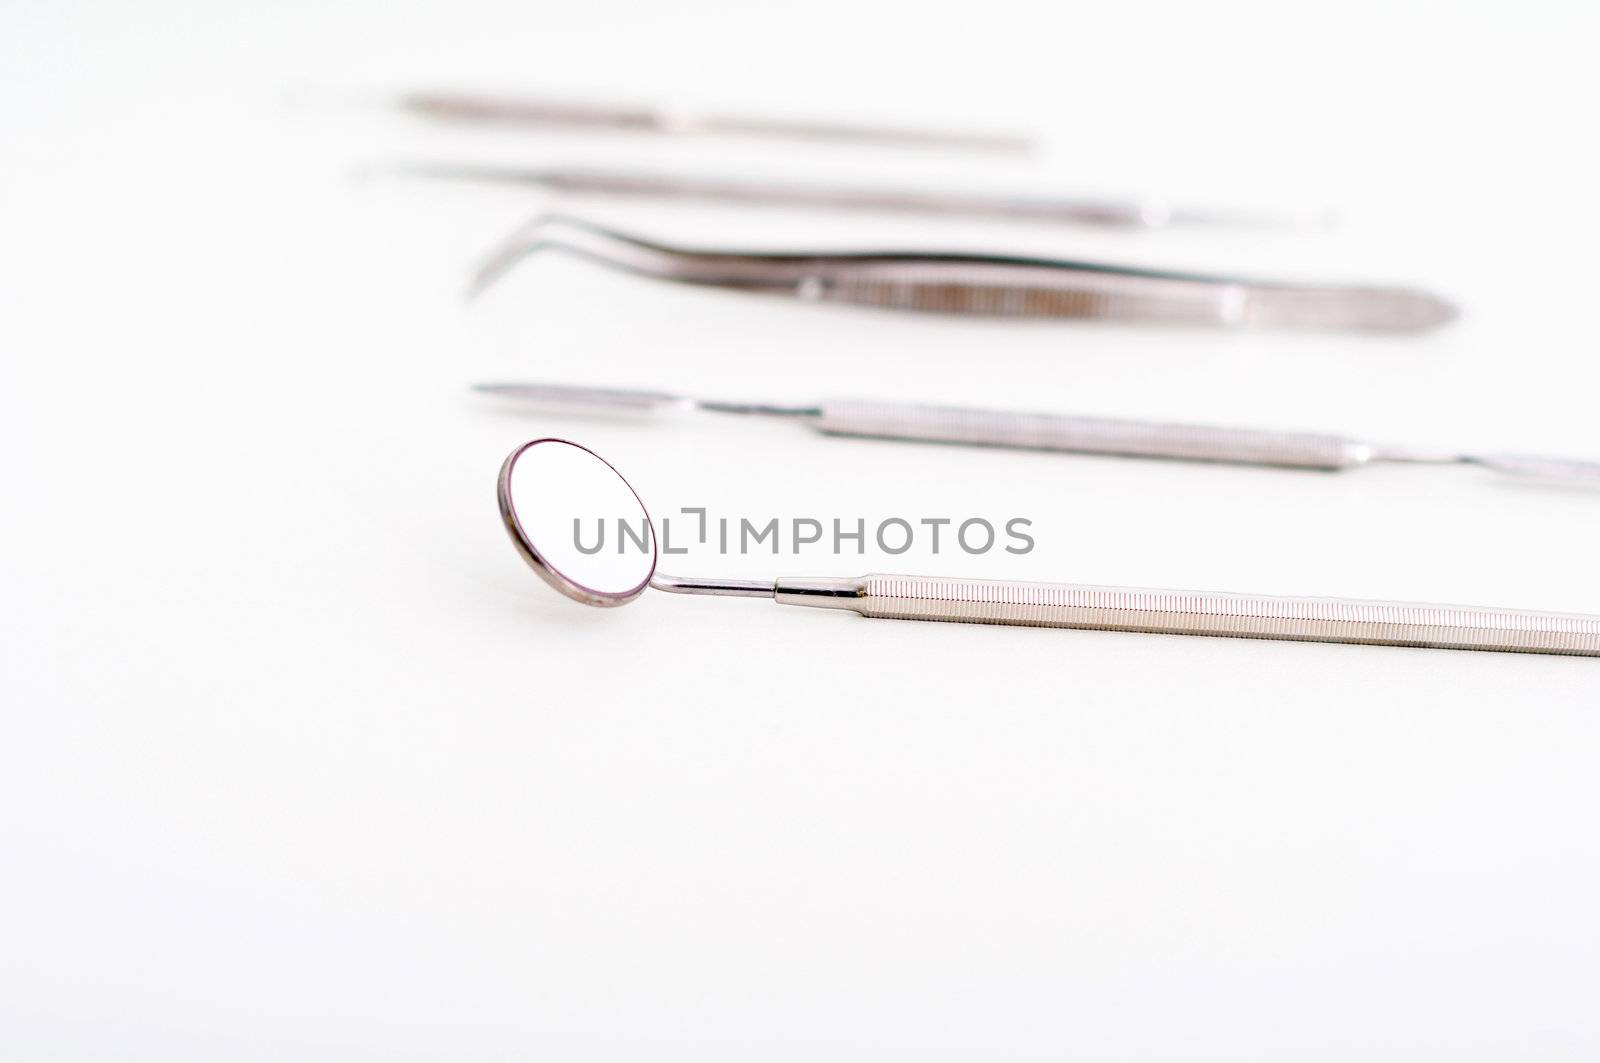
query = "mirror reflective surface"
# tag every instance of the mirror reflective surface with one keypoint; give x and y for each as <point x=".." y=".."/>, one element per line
<point x="577" y="522"/>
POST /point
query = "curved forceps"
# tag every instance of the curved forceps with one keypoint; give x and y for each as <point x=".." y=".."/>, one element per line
<point x="986" y="285"/>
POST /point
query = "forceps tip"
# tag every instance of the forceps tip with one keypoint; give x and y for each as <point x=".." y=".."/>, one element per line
<point x="543" y="230"/>
<point x="522" y="241"/>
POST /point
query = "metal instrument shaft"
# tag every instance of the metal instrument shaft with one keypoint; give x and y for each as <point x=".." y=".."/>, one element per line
<point x="1059" y="432"/>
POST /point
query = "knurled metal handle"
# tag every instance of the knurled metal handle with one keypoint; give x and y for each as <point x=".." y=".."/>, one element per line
<point x="1059" y="289"/>
<point x="1089" y="435"/>
<point x="1207" y="613"/>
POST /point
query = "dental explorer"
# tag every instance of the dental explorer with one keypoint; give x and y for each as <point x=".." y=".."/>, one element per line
<point x="546" y="112"/>
<point x="1145" y="213"/>
<point x="1058" y="432"/>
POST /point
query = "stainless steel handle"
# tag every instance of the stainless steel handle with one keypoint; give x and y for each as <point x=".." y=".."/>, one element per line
<point x="1200" y="613"/>
<point x="1089" y="435"/>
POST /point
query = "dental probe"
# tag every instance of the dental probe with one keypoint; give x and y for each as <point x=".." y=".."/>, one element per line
<point x="1058" y="432"/>
<point x="1129" y="213"/>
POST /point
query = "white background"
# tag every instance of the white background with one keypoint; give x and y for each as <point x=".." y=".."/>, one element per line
<point x="299" y="761"/>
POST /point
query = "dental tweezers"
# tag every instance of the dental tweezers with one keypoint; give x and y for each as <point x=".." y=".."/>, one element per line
<point x="988" y="285"/>
<point x="1057" y="432"/>
<point x="1146" y="213"/>
<point x="640" y="118"/>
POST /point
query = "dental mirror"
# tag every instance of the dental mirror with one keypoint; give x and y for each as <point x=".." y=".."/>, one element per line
<point x="583" y="529"/>
<point x="552" y="495"/>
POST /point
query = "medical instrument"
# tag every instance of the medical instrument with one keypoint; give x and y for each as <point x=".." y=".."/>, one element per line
<point x="1058" y="432"/>
<point x="644" y="118"/>
<point x="991" y="285"/>
<point x="1145" y="213"/>
<point x="548" y="487"/>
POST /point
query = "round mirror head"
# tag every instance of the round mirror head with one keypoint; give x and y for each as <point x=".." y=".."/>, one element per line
<point x="577" y="522"/>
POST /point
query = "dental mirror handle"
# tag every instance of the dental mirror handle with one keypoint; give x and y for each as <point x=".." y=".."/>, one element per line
<point x="1090" y="435"/>
<point x="1179" y="612"/>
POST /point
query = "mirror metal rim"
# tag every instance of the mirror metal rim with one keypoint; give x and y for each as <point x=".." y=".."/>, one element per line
<point x="530" y="553"/>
